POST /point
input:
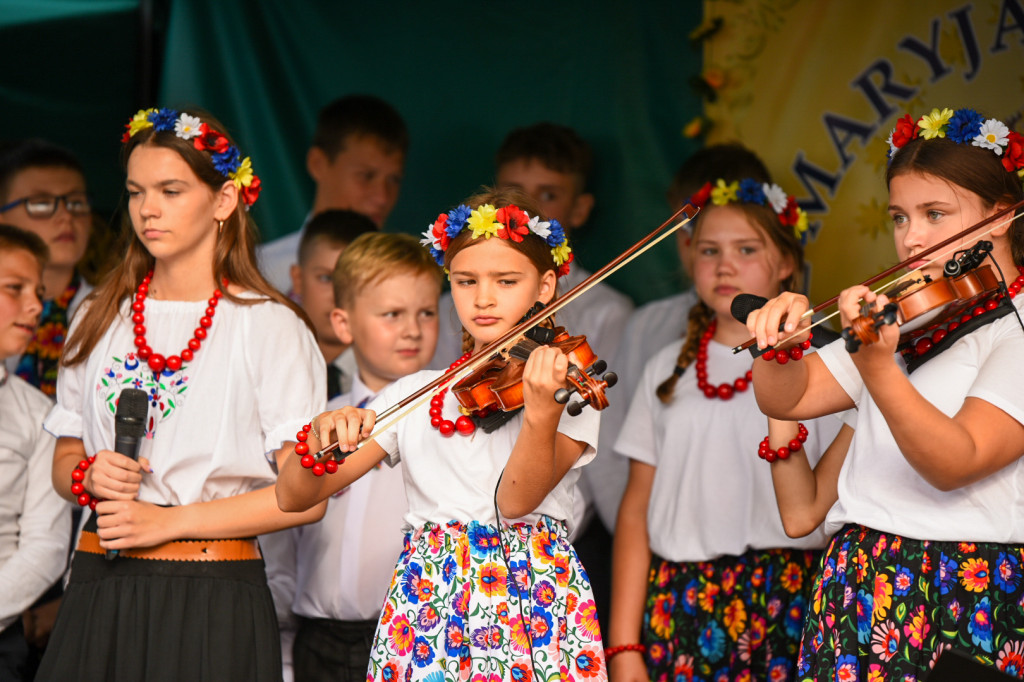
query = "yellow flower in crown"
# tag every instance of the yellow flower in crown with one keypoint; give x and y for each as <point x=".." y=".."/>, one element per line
<point x="561" y="253"/>
<point x="934" y="124"/>
<point x="722" y="193"/>
<point x="483" y="221"/>
<point x="243" y="175"/>
<point x="140" y="121"/>
<point x="801" y="224"/>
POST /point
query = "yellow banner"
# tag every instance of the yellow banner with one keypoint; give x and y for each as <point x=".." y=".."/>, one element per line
<point x="815" y="87"/>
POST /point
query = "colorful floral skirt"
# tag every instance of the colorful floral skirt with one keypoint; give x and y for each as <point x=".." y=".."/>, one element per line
<point x="885" y="607"/>
<point x="468" y="604"/>
<point x="734" y="618"/>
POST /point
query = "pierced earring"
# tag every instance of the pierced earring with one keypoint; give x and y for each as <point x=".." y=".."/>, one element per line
<point x="220" y="226"/>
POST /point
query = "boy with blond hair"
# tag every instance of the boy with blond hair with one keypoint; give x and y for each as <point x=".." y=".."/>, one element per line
<point x="386" y="288"/>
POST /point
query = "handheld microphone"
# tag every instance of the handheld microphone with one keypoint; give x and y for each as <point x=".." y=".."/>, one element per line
<point x="744" y="304"/>
<point x="129" y="427"/>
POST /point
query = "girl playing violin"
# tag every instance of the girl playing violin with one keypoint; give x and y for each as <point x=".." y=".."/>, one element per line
<point x="928" y="545"/>
<point x="230" y="371"/>
<point x="706" y="584"/>
<point x="488" y="585"/>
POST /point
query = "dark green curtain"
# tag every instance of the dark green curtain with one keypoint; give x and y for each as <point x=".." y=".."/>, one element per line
<point x="69" y="75"/>
<point x="462" y="74"/>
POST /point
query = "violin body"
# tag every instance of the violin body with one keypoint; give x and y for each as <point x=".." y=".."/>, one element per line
<point x="498" y="384"/>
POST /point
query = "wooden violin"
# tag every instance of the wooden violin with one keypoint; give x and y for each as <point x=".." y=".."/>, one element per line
<point x="387" y="418"/>
<point x="971" y="281"/>
<point x="498" y="384"/>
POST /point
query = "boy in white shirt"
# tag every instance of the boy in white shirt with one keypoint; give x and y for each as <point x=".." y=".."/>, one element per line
<point x="35" y="523"/>
<point x="386" y="289"/>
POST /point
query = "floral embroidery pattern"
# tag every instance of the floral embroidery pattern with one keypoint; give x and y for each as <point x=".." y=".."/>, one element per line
<point x="166" y="390"/>
<point x="458" y="610"/>
<point x="885" y="607"/>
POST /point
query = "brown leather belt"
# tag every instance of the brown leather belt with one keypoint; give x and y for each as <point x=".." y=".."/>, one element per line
<point x="181" y="550"/>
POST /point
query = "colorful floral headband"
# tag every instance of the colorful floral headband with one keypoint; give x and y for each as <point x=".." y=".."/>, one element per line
<point x="226" y="157"/>
<point x="963" y="126"/>
<point x="509" y="222"/>
<point x="750" y="191"/>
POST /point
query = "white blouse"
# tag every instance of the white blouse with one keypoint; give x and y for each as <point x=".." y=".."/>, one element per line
<point x="454" y="478"/>
<point x="712" y="496"/>
<point x="256" y="380"/>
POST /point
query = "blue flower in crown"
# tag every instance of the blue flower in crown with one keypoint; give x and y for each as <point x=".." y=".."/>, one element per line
<point x="163" y="119"/>
<point x="750" y="191"/>
<point x="963" y="126"/>
<point x="556" y="235"/>
<point x="227" y="161"/>
<point x="457" y="218"/>
<point x="438" y="256"/>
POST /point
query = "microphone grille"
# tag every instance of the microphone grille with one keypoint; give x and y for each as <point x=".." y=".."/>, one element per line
<point x="132" y="409"/>
<point x="744" y="304"/>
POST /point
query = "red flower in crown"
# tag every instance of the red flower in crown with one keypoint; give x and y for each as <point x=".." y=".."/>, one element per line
<point x="211" y="140"/>
<point x="789" y="215"/>
<point x="563" y="269"/>
<point x="440" y="231"/>
<point x="906" y="130"/>
<point x="252" y="192"/>
<point x="1013" y="157"/>
<point x="513" y="223"/>
<point x="700" y="199"/>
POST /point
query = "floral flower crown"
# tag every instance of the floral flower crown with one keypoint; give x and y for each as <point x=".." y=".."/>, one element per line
<point x="963" y="126"/>
<point x="750" y="191"/>
<point x="509" y="222"/>
<point x="226" y="157"/>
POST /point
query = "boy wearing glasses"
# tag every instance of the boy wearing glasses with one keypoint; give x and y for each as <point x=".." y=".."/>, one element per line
<point x="42" y="190"/>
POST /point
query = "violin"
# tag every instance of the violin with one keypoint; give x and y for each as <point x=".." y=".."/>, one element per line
<point x="964" y="283"/>
<point x="579" y="383"/>
<point x="498" y="384"/>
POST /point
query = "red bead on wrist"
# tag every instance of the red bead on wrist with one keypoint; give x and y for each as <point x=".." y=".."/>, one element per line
<point x="308" y="461"/>
<point x="82" y="496"/>
<point x="785" y="355"/>
<point x="614" y="650"/>
<point x="764" y="451"/>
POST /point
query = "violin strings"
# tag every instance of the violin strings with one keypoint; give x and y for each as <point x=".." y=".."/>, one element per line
<point x="940" y="255"/>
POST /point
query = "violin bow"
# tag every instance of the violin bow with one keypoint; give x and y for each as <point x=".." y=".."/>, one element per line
<point x="414" y="400"/>
<point x="997" y="216"/>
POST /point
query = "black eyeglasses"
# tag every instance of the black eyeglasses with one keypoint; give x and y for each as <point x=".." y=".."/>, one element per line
<point x="45" y="206"/>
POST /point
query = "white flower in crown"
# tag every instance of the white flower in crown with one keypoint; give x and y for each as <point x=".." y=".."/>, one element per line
<point x="892" y="148"/>
<point x="541" y="228"/>
<point x="429" y="239"/>
<point x="993" y="135"/>
<point x="187" y="126"/>
<point x="776" y="196"/>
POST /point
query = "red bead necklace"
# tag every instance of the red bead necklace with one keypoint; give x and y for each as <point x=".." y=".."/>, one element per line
<point x="722" y="391"/>
<point x="447" y="427"/>
<point x="158" y="362"/>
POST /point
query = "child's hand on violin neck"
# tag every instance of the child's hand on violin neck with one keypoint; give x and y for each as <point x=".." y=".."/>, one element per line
<point x="348" y="426"/>
<point x="787" y="309"/>
<point x="544" y="373"/>
<point x="859" y="302"/>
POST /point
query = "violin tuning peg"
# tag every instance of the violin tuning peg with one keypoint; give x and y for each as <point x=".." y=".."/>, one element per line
<point x="598" y="368"/>
<point x="575" y="409"/>
<point x="562" y="396"/>
<point x="852" y="342"/>
<point x="610" y="379"/>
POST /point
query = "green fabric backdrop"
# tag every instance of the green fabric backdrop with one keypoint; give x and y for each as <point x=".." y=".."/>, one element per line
<point x="462" y="74"/>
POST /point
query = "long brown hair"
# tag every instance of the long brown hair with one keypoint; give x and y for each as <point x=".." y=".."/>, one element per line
<point x="532" y="246"/>
<point x="767" y="222"/>
<point x="234" y="255"/>
<point x="974" y="169"/>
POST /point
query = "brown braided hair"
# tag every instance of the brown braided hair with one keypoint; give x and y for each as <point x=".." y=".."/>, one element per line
<point x="699" y="321"/>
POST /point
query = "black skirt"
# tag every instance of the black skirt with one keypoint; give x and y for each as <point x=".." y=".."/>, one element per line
<point x="142" y="619"/>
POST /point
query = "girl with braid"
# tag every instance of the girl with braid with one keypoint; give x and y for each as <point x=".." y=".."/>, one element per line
<point x="706" y="584"/>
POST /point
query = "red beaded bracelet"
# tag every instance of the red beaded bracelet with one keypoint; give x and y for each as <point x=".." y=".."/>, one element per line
<point x="783" y="356"/>
<point x="84" y="499"/>
<point x="308" y="461"/>
<point x="764" y="451"/>
<point x="614" y="650"/>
